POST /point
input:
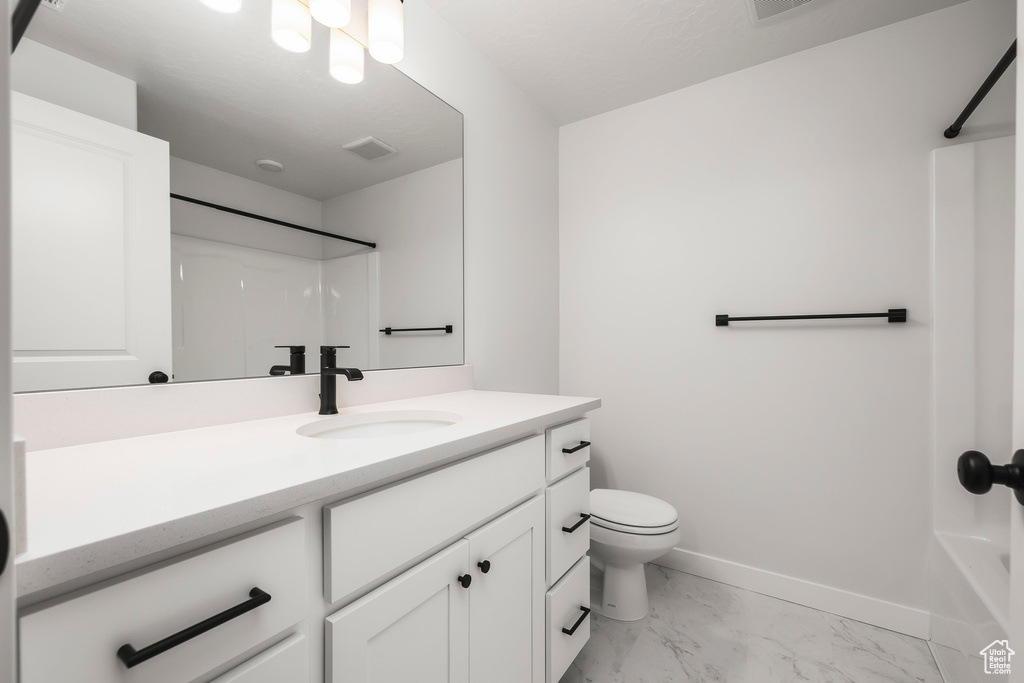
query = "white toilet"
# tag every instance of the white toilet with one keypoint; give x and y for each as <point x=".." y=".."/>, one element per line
<point x="628" y="529"/>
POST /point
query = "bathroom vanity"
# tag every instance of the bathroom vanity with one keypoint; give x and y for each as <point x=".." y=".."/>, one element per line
<point x="283" y="550"/>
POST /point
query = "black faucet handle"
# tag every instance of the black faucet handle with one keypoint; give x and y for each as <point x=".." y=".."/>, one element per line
<point x="330" y="349"/>
<point x="293" y="349"/>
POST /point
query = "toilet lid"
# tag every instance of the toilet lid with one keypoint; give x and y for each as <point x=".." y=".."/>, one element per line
<point x="629" y="509"/>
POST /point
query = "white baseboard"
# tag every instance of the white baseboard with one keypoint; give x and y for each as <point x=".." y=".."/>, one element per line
<point x="900" y="618"/>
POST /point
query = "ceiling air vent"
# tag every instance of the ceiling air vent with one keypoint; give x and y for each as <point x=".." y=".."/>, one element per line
<point x="762" y="10"/>
<point x="370" y="148"/>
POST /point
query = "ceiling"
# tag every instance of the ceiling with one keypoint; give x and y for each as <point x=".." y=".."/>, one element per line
<point x="224" y="95"/>
<point x="580" y="58"/>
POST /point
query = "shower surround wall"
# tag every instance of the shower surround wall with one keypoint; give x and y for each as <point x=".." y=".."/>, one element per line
<point x="797" y="454"/>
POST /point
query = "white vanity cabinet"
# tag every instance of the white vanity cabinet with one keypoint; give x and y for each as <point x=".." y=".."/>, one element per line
<point x="472" y="612"/>
<point x="470" y="572"/>
<point x="568" y="540"/>
<point x="80" y="639"/>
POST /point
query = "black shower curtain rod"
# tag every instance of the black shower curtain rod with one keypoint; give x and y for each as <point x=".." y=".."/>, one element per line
<point x="993" y="77"/>
<point x="265" y="219"/>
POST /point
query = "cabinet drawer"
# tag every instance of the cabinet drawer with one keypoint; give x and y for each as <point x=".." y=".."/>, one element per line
<point x="568" y="531"/>
<point x="568" y="606"/>
<point x="78" y="639"/>
<point x="370" y="537"/>
<point x="286" y="661"/>
<point x="569" y="436"/>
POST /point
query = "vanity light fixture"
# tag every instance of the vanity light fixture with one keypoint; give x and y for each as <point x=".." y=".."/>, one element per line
<point x="333" y="13"/>
<point x="224" y="6"/>
<point x="291" y="25"/>
<point x="347" y="58"/>
<point x="386" y="28"/>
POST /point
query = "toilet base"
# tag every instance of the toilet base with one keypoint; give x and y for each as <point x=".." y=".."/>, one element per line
<point x="624" y="593"/>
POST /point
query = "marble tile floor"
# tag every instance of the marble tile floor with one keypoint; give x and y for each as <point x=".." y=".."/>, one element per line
<point x="702" y="631"/>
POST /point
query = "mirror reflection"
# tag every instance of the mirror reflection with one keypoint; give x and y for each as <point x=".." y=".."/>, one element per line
<point x="192" y="202"/>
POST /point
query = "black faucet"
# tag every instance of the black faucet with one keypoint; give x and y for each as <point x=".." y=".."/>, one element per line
<point x="296" y="362"/>
<point x="328" y="379"/>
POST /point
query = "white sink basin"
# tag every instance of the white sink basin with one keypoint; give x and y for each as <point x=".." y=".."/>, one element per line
<point x="379" y="425"/>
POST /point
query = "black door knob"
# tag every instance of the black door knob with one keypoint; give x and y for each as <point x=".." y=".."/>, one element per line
<point x="465" y="580"/>
<point x="485" y="566"/>
<point x="5" y="543"/>
<point x="977" y="473"/>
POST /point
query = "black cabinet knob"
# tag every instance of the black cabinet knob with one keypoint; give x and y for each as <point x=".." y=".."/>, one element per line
<point x="977" y="473"/>
<point x="465" y="580"/>
<point x="485" y="566"/>
<point x="158" y="377"/>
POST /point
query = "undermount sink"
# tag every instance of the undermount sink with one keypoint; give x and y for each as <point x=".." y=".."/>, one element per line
<point x="379" y="425"/>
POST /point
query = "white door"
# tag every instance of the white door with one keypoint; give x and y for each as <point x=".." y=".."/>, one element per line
<point x="91" y="275"/>
<point x="506" y="599"/>
<point x="413" y="628"/>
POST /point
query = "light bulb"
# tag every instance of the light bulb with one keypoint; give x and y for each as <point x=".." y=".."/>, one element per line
<point x="291" y="25"/>
<point x="346" y="57"/>
<point x="333" y="13"/>
<point x="225" y="6"/>
<point x="387" y="30"/>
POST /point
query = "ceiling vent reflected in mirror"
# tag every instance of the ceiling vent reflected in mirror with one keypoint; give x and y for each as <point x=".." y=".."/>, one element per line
<point x="57" y="5"/>
<point x="270" y="165"/>
<point x="763" y="10"/>
<point x="370" y="148"/>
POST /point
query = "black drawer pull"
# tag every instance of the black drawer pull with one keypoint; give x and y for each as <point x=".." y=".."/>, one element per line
<point x="572" y="631"/>
<point x="485" y="566"/>
<point x="465" y="580"/>
<point x="583" y="444"/>
<point x="569" y="529"/>
<point x="132" y="657"/>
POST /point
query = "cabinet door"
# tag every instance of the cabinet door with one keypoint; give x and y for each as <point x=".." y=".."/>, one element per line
<point x="91" y="245"/>
<point x="506" y="603"/>
<point x="413" y="628"/>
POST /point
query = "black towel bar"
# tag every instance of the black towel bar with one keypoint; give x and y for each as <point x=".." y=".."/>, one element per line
<point x="447" y="329"/>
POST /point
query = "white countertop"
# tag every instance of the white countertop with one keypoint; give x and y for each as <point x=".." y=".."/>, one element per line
<point x="100" y="505"/>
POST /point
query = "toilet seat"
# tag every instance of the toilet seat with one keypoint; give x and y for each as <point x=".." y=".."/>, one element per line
<point x="632" y="513"/>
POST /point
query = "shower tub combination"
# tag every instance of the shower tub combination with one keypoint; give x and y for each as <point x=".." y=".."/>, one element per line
<point x="972" y="232"/>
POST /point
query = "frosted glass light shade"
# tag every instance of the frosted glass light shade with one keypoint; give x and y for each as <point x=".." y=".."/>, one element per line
<point x="225" y="6"/>
<point x="291" y="26"/>
<point x="347" y="58"/>
<point x="333" y="13"/>
<point x="386" y="28"/>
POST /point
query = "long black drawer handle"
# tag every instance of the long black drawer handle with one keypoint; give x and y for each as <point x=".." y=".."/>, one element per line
<point x="132" y="657"/>
<point x="569" y="529"/>
<point x="572" y="631"/>
<point x="583" y="444"/>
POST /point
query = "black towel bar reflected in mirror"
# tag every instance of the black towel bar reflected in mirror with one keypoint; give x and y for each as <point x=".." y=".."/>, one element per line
<point x="893" y="315"/>
<point x="447" y="329"/>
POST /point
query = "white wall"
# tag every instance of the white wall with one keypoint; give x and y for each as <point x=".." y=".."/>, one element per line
<point x="511" y="208"/>
<point x="796" y="454"/>
<point x="416" y="221"/>
<point x="50" y="75"/>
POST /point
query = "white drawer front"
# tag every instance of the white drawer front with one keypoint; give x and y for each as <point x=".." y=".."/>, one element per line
<point x="370" y="537"/>
<point x="567" y="501"/>
<point x="78" y="639"/>
<point x="565" y="437"/>
<point x="568" y="606"/>
<point x="286" y="661"/>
